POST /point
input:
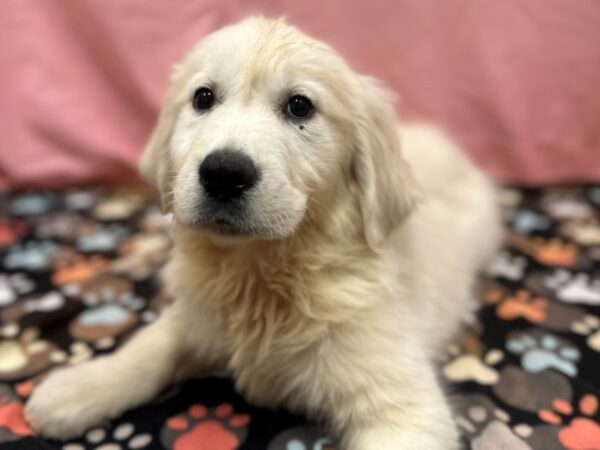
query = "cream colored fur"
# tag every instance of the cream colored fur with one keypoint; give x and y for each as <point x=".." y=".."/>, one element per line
<point x="363" y="243"/>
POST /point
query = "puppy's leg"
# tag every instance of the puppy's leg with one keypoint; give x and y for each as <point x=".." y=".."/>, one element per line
<point x="380" y="408"/>
<point x="72" y="400"/>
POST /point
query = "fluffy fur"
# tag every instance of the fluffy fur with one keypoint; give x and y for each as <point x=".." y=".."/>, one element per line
<point x="353" y="263"/>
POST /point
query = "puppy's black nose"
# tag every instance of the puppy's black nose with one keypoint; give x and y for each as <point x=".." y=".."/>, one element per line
<point x="226" y="174"/>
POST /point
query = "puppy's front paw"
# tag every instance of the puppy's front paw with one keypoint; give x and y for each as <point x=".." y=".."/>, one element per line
<point x="72" y="400"/>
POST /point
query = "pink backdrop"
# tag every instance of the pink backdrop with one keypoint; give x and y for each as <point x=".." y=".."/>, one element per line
<point x="516" y="81"/>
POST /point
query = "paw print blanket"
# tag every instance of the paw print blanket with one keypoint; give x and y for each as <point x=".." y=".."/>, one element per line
<point x="78" y="277"/>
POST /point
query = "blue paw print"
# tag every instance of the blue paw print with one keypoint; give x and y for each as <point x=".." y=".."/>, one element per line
<point x="34" y="255"/>
<point x="540" y="351"/>
<point x="525" y="221"/>
<point x="300" y="438"/>
<point x="104" y="239"/>
<point x="109" y="314"/>
<point x="30" y="204"/>
<point x="296" y="444"/>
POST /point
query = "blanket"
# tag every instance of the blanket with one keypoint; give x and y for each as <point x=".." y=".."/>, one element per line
<point x="78" y="277"/>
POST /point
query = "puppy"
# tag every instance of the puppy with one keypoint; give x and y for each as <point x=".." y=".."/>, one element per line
<point x="322" y="254"/>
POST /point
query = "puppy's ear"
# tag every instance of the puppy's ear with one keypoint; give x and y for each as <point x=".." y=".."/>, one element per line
<point x="155" y="165"/>
<point x="387" y="188"/>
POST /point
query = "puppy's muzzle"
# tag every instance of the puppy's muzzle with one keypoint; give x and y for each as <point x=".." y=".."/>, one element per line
<point x="227" y="174"/>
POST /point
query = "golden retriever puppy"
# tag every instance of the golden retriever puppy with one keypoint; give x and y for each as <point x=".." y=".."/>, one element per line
<point x="322" y="253"/>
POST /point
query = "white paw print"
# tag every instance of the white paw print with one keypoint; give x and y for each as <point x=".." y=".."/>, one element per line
<point x="562" y="208"/>
<point x="122" y="438"/>
<point x="80" y="200"/>
<point x="11" y="286"/>
<point x="588" y="326"/>
<point x="574" y="287"/>
<point x="469" y="367"/>
<point x="506" y="265"/>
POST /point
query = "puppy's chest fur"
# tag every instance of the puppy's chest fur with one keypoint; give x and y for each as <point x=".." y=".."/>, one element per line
<point x="272" y="317"/>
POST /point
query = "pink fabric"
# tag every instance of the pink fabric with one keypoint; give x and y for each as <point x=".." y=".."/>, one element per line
<point x="516" y="81"/>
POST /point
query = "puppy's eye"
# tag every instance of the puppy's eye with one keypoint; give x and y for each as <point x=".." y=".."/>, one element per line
<point x="298" y="107"/>
<point x="204" y="98"/>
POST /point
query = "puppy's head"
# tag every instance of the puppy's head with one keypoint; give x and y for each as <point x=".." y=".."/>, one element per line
<point x="260" y="122"/>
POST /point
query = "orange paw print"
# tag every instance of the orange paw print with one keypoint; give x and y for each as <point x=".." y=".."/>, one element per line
<point x="78" y="269"/>
<point x="556" y="253"/>
<point x="12" y="419"/>
<point x="201" y="428"/>
<point x="550" y="252"/>
<point x="582" y="433"/>
<point x="25" y="388"/>
<point x="523" y="304"/>
<point x="11" y="231"/>
<point x="495" y="295"/>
